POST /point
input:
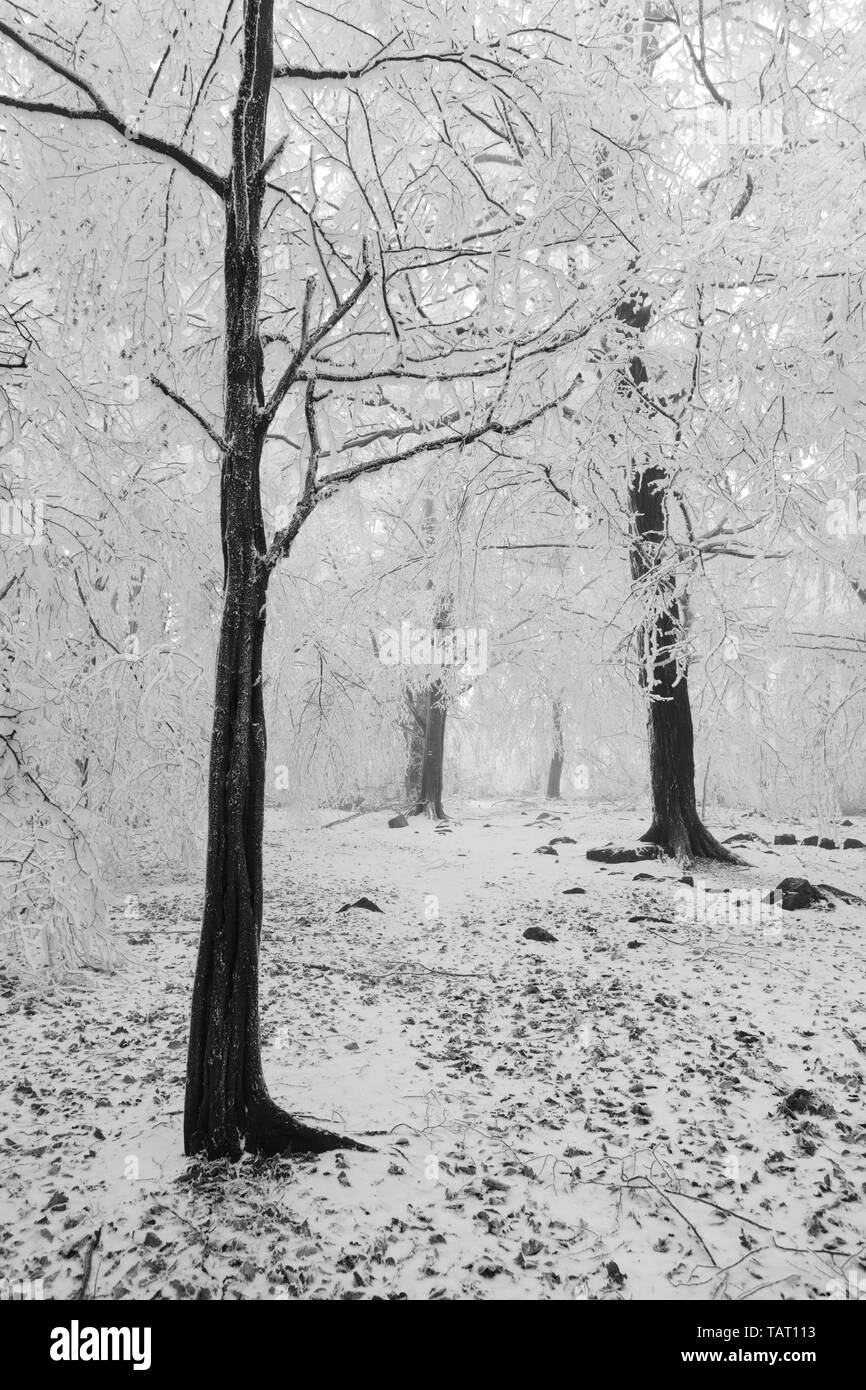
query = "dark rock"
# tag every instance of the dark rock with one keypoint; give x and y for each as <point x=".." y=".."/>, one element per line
<point x="799" y="885"/>
<point x="744" y="837"/>
<point x="826" y="843"/>
<point x="795" y="893"/>
<point x="784" y="839"/>
<point x="562" y="840"/>
<point x="643" y="878"/>
<point x="366" y="903"/>
<point x="547" y="849"/>
<point x="851" y="843"/>
<point x="539" y="934"/>
<point x="687" y="878"/>
<point x="614" y="1274"/>
<point x="397" y="823"/>
<point x="810" y="840"/>
<point x="846" y="822"/>
<point x="633" y="945"/>
<point x="793" y="902"/>
<point x="623" y="854"/>
<point x="574" y="890"/>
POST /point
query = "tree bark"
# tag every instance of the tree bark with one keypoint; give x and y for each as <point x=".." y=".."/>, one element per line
<point x="415" y="731"/>
<point x="227" y="1101"/>
<point x="432" y="768"/>
<point x="554" y="774"/>
<point x="434" y="703"/>
<point x="676" y="825"/>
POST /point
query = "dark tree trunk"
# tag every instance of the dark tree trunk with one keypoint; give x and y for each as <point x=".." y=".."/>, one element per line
<point x="227" y="1101"/>
<point x="434" y="704"/>
<point x="554" y="774"/>
<point x="676" y="825"/>
<point x="430" y="800"/>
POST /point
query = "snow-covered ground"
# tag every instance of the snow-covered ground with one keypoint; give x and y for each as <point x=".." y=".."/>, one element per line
<point x="601" y="1116"/>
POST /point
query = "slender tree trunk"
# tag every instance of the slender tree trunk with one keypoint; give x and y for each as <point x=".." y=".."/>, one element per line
<point x="435" y="701"/>
<point x="554" y="774"/>
<point x="227" y="1101"/>
<point x="415" y="730"/>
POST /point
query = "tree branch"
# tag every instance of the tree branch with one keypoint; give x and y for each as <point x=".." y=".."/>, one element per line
<point x="101" y="112"/>
<point x="309" y="340"/>
<point x="744" y="199"/>
<point x="190" y="410"/>
<point x="458" y="440"/>
<point x="350" y="74"/>
<point x="283" y="540"/>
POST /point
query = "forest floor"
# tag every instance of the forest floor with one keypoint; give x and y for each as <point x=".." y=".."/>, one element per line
<point x="599" y="1117"/>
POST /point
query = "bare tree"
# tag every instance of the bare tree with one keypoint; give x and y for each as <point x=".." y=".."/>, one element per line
<point x="227" y="1101"/>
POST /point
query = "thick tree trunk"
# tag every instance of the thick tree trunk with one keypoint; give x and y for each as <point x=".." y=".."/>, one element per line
<point x="432" y="768"/>
<point x="676" y="825"/>
<point x="227" y="1102"/>
<point x="554" y="774"/>
<point x="224" y="1066"/>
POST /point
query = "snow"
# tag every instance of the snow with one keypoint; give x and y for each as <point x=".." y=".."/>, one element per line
<point x="595" y="1118"/>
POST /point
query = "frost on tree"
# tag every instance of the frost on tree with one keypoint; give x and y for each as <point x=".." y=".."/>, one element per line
<point x="349" y="346"/>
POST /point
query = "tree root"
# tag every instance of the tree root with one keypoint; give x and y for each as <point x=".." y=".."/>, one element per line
<point x="432" y="810"/>
<point x="685" y="840"/>
<point x="271" y="1131"/>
